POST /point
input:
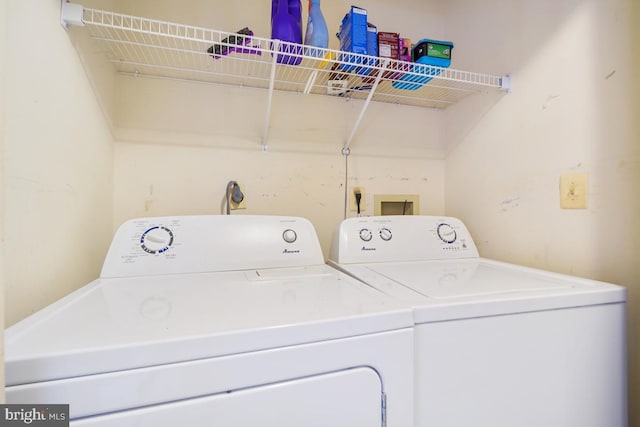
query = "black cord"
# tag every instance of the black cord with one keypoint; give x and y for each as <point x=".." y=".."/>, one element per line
<point x="404" y="207"/>
<point x="229" y="184"/>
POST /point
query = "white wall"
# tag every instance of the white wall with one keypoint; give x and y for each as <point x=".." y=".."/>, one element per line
<point x="156" y="180"/>
<point x="57" y="177"/>
<point x="3" y="36"/>
<point x="574" y="108"/>
<point x="161" y="111"/>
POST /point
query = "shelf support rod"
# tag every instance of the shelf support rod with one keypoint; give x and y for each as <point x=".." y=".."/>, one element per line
<point x="381" y="71"/>
<point x="272" y="79"/>
<point x="310" y="82"/>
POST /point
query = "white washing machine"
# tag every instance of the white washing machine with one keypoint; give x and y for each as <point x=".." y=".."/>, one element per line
<point x="497" y="345"/>
<point x="217" y="320"/>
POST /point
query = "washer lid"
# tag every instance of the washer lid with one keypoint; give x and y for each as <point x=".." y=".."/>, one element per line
<point x="452" y="289"/>
<point x="123" y="323"/>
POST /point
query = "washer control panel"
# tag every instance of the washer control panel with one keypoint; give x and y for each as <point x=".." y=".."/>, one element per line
<point x="401" y="238"/>
<point x="207" y="243"/>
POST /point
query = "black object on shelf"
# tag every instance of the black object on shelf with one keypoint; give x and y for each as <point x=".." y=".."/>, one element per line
<point x="242" y="39"/>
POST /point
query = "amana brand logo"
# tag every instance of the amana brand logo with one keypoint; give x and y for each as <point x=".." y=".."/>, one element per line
<point x="287" y="251"/>
<point x="364" y="248"/>
<point x="36" y="415"/>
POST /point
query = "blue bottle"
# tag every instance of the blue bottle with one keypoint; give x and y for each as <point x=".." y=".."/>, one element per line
<point x="317" y="33"/>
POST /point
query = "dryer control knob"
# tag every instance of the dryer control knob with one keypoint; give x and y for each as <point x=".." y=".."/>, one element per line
<point x="289" y="236"/>
<point x="366" y="235"/>
<point x="385" y="234"/>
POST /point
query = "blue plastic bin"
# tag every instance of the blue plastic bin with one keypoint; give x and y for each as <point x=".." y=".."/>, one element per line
<point x="427" y="52"/>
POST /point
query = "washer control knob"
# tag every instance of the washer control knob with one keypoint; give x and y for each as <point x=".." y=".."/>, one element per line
<point x="289" y="236"/>
<point x="366" y="235"/>
<point x="446" y="233"/>
<point x="156" y="240"/>
<point x="385" y="234"/>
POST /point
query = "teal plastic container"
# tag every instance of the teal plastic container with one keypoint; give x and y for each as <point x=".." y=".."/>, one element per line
<point x="427" y="52"/>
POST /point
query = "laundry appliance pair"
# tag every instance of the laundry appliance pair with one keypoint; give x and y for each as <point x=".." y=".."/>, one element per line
<point x="237" y="321"/>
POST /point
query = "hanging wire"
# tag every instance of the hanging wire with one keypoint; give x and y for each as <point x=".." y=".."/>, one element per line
<point x="345" y="153"/>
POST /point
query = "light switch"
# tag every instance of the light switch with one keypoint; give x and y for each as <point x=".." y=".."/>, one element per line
<point x="573" y="191"/>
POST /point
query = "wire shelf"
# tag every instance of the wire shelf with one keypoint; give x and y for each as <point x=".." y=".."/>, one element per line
<point x="146" y="47"/>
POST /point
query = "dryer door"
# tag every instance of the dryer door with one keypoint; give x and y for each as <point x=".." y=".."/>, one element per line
<point x="350" y="398"/>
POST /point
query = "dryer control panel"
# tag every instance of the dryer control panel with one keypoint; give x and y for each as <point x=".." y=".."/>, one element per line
<point x="401" y="238"/>
<point x="207" y="243"/>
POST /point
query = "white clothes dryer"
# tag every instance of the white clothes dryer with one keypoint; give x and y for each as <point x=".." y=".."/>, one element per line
<point x="497" y="345"/>
<point x="217" y="320"/>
